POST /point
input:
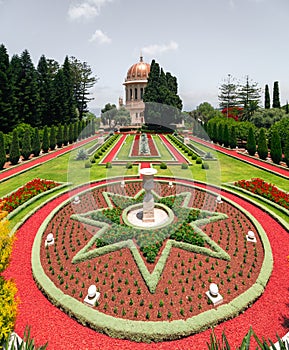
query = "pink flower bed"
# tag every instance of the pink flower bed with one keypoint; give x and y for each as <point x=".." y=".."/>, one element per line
<point x="265" y="190"/>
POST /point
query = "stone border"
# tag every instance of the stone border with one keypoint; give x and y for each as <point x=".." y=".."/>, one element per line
<point x="152" y="331"/>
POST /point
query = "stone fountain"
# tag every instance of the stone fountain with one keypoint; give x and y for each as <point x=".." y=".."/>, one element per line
<point x="148" y="201"/>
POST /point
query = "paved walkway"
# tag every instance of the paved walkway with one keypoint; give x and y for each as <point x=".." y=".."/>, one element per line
<point x="284" y="172"/>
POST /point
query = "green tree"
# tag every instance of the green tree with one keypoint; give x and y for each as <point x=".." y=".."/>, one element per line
<point x="220" y="133"/>
<point x="83" y="81"/>
<point x="75" y="136"/>
<point x="226" y="137"/>
<point x="65" y="135"/>
<point x="232" y="137"/>
<point x="70" y="100"/>
<point x="262" y="144"/>
<point x="26" y="149"/>
<point x="249" y="95"/>
<point x="267" y="103"/>
<point x="45" y="141"/>
<point x="204" y="112"/>
<point x="14" y="153"/>
<point x="3" y="158"/>
<point x="52" y="138"/>
<point x="286" y="149"/>
<point x="36" y="146"/>
<point x="275" y="147"/>
<point x="108" y="114"/>
<point x="251" y="142"/>
<point x="7" y="120"/>
<point x="59" y="136"/>
<point x="276" y="97"/>
<point x="71" y="133"/>
<point x="228" y="95"/>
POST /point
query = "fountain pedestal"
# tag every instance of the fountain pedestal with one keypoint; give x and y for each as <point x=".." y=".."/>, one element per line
<point x="148" y="201"/>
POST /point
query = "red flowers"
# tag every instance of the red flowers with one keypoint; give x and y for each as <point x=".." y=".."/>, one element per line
<point x="265" y="190"/>
<point x="26" y="192"/>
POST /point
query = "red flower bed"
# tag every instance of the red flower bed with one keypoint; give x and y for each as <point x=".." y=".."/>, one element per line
<point x="135" y="148"/>
<point x="266" y="190"/>
<point x="26" y="192"/>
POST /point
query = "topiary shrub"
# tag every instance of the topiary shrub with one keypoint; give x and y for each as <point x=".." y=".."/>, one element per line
<point x="184" y="166"/>
<point x="199" y="160"/>
<point x="205" y="166"/>
<point x="108" y="165"/>
<point x="128" y="165"/>
<point x="87" y="164"/>
<point x="163" y="165"/>
<point x="194" y="156"/>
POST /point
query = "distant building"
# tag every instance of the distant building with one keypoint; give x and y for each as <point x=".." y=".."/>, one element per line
<point x="135" y="83"/>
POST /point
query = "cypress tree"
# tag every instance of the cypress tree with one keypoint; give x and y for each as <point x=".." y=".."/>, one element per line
<point x="251" y="142"/>
<point x="267" y="97"/>
<point x="14" y="153"/>
<point x="232" y="137"/>
<point x="276" y="98"/>
<point x="65" y="134"/>
<point x="93" y="127"/>
<point x="276" y="148"/>
<point x="79" y="130"/>
<point x="226" y="137"/>
<point x="220" y="131"/>
<point x="36" y="147"/>
<point x="75" y="127"/>
<point x="2" y="151"/>
<point x="45" y="141"/>
<point x="286" y="149"/>
<point x="214" y="132"/>
<point x="59" y="136"/>
<point x="262" y="144"/>
<point x="71" y="133"/>
<point x="26" y="145"/>
<point x="52" y="138"/>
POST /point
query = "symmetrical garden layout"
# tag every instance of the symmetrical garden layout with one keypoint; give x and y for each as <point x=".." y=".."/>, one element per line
<point x="152" y="283"/>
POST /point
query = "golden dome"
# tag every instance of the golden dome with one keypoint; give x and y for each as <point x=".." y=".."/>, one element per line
<point x="138" y="71"/>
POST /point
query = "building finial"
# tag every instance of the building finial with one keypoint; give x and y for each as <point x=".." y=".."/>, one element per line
<point x="141" y="58"/>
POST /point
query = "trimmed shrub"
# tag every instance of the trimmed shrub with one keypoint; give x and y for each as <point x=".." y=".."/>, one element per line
<point x="184" y="166"/>
<point x="26" y="145"/>
<point x="14" y="153"/>
<point x="59" y="136"/>
<point x="36" y="146"/>
<point x="163" y="165"/>
<point x="199" y="160"/>
<point x="128" y="165"/>
<point x="262" y="144"/>
<point x="108" y="165"/>
<point x="194" y="156"/>
<point x="45" y="141"/>
<point x="251" y="142"/>
<point x="52" y="138"/>
<point x="226" y="137"/>
<point x="65" y="135"/>
<point x="71" y="133"/>
<point x="205" y="166"/>
<point x="87" y="164"/>
<point x="232" y="137"/>
<point x="2" y="151"/>
<point x="276" y="149"/>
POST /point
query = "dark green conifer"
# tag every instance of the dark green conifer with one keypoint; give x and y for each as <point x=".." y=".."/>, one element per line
<point x="267" y="97"/>
<point x="276" y="97"/>
<point x="2" y="151"/>
<point x="71" y="133"/>
<point x="14" y="153"/>
<point x="65" y="134"/>
<point x="286" y="149"/>
<point x="251" y="142"/>
<point x="262" y="144"/>
<point x="36" y="146"/>
<point x="226" y="138"/>
<point x="275" y="147"/>
<point x="45" y="141"/>
<point x="59" y="136"/>
<point x="26" y="145"/>
<point x="232" y="137"/>
<point x="52" y="138"/>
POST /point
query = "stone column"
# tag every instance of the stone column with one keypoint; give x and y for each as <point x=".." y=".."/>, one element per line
<point x="148" y="202"/>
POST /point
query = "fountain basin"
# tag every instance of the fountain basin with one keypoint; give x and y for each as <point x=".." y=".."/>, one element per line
<point x="133" y="216"/>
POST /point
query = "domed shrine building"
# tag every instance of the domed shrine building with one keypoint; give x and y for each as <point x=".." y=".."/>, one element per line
<point x="135" y="83"/>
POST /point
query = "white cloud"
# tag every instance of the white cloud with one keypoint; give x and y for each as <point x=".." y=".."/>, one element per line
<point x="100" y="37"/>
<point x="157" y="49"/>
<point x="86" y="9"/>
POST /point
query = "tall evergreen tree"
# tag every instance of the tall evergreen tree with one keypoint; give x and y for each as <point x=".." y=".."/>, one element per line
<point x="26" y="149"/>
<point x="59" y="136"/>
<point x="52" y="138"/>
<point x="14" y="153"/>
<point x="75" y="129"/>
<point x="262" y="144"/>
<point x="275" y="147"/>
<point x="46" y="91"/>
<point x="45" y="141"/>
<point x="7" y="120"/>
<point x="70" y="105"/>
<point x="36" y="146"/>
<point x="251" y="142"/>
<point x="267" y="103"/>
<point x="276" y="97"/>
<point x="228" y="96"/>
<point x="232" y="137"/>
<point x="3" y="158"/>
<point x="220" y="133"/>
<point x="71" y="133"/>
<point x="28" y="92"/>
<point x="249" y="95"/>
<point x="14" y="74"/>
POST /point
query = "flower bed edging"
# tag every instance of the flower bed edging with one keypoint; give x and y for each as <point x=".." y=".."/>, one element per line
<point x="148" y="331"/>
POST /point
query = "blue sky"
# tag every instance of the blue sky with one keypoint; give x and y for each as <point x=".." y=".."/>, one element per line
<point x="198" y="41"/>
